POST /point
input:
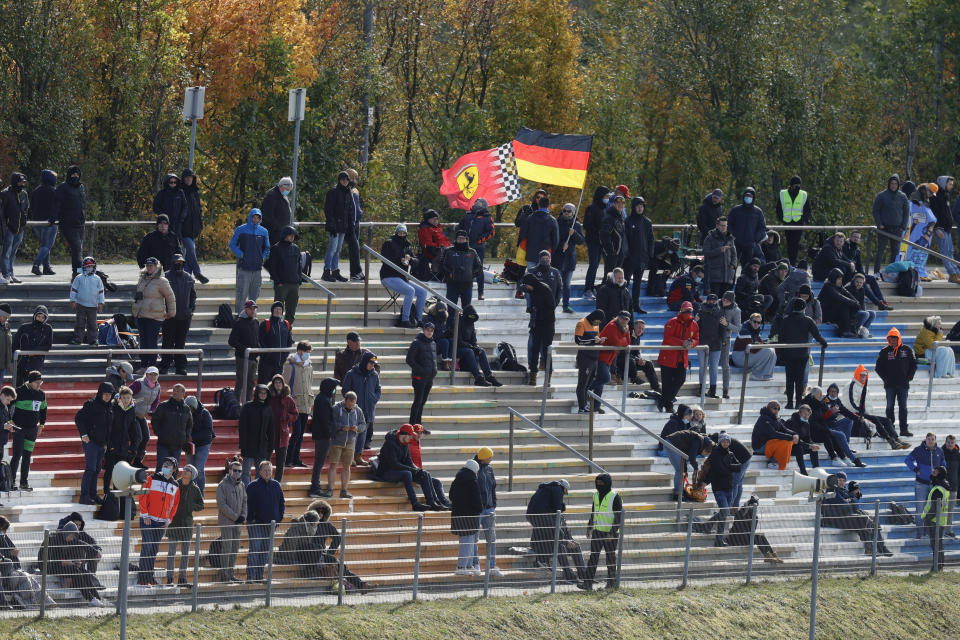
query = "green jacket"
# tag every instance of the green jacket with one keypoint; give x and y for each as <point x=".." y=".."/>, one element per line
<point x="181" y="526"/>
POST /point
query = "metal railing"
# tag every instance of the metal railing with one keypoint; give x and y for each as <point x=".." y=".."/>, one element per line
<point x="326" y="326"/>
<point x="928" y="250"/>
<point x="450" y="304"/>
<point x="110" y="351"/>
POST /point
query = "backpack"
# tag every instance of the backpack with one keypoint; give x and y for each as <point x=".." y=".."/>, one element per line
<point x="306" y="263"/>
<point x="215" y="558"/>
<point x="908" y="282"/>
<point x="224" y="319"/>
<point x="507" y="358"/>
<point x="227" y="407"/>
<point x="6" y="477"/>
<point x="112" y="508"/>
<point x="899" y="514"/>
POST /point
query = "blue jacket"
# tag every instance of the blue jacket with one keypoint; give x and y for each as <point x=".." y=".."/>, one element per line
<point x="366" y="384"/>
<point x="87" y="290"/>
<point x="251" y="244"/>
<point x="922" y="461"/>
<point x="747" y="224"/>
<point x="202" y="433"/>
<point x="264" y="502"/>
<point x="488" y="485"/>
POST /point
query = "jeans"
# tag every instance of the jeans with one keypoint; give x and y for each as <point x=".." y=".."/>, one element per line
<point x="11" y="243"/>
<point x="331" y="259"/>
<point x="593" y="261"/>
<point x="149" y="339"/>
<point x="872" y="290"/>
<point x="248" y="286"/>
<point x="490" y="535"/>
<point x="679" y="468"/>
<point x="474" y="361"/>
<point x="844" y="426"/>
<point x="190" y="255"/>
<point x="459" y="293"/>
<point x="250" y="462"/>
<point x="73" y="236"/>
<point x="46" y="236"/>
<point x="296" y="439"/>
<point x="259" y="535"/>
<point x="409" y="291"/>
<point x="713" y="362"/>
<point x="467" y="557"/>
<point x="920" y="492"/>
<point x="601" y="378"/>
<point x="945" y="245"/>
<point x="152" y="532"/>
<point x="172" y="558"/>
<point x="567" y="277"/>
<point x="443" y="347"/>
<point x="864" y="319"/>
<point x="843" y="444"/>
<point x="199" y="460"/>
<point x="724" y="498"/>
<point x="363" y="438"/>
<point x="738" y="478"/>
<point x="163" y="451"/>
<point x="407" y="478"/>
<point x="93" y="460"/>
<point x="898" y="394"/>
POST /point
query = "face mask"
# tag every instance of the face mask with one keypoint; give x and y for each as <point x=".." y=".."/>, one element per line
<point x="802" y="419"/>
<point x="166" y="471"/>
<point x="178" y="267"/>
<point x="285" y="192"/>
<point x="74" y="179"/>
<point x="833" y="397"/>
<point x="686" y="421"/>
<point x="606" y="201"/>
<point x="698" y="279"/>
<point x="88" y="270"/>
<point x="748" y="200"/>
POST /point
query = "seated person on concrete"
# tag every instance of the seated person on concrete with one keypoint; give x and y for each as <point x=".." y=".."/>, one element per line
<point x="542" y="510"/>
<point x="773" y="439"/>
<point x="841" y="510"/>
<point x="823" y="431"/>
<point x="739" y="535"/>
<point x="395" y="465"/>
<point x="69" y="558"/>
<point x="799" y="423"/>
<point x="18" y="589"/>
<point x="415" y="455"/>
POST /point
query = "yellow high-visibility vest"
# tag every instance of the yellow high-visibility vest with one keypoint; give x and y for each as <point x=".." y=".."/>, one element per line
<point x="603" y="516"/>
<point x="792" y="209"/>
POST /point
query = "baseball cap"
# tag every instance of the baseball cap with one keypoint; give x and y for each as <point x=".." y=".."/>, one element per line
<point x="686" y="306"/>
<point x="250" y="304"/>
<point x="151" y="370"/>
<point x="353" y="336"/>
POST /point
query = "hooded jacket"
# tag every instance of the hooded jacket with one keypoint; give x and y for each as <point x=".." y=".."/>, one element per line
<point x="338" y="208"/>
<point x="467" y="337"/>
<point x="298" y="374"/>
<point x="366" y="384"/>
<point x="732" y="314"/>
<point x="255" y="428"/>
<point x="124" y="437"/>
<point x="172" y="423"/>
<point x="542" y="301"/>
<point x="691" y="443"/>
<point x="797" y="328"/>
<point x="940" y="205"/>
<point x="612" y="233"/>
<point x="422" y="357"/>
<point x="231" y="501"/>
<point x="467" y="503"/>
<point x="612" y="298"/>
<point x="276" y="213"/>
<point x="202" y="433"/>
<point x="87" y="289"/>
<point x="747" y="224"/>
<point x="251" y="244"/>
<point x="674" y="424"/>
<point x="157" y="300"/>
<point x="707" y="216"/>
<point x="193" y="220"/>
<point x="488" y="484"/>
<point x="678" y="328"/>
<point x="723" y="464"/>
<point x="896" y="365"/>
<point x="561" y="260"/>
<point x="273" y="333"/>
<point x="394" y="249"/>
<point x="838" y="305"/>
<point x="14" y="204"/>
<point x="638" y="231"/>
<point x="747" y="285"/>
<point x="72" y="200"/>
<point x="891" y="209"/>
<point x="547" y="499"/>
<point x="161" y="246"/>
<point x="541" y="232"/>
<point x="283" y="263"/>
<point x="285" y="415"/>
<point x="720" y="265"/>
<point x="477" y="223"/>
<point x="34" y="335"/>
<point x="926" y="337"/>
<point x="593" y="215"/>
<point x="184" y="293"/>
<point x="711" y="333"/>
<point x="172" y="202"/>
<point x="768" y="427"/>
<point x="95" y="417"/>
<point x="43" y="200"/>
<point x="322" y="418"/>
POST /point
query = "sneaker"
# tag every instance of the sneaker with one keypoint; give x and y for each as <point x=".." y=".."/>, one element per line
<point x="495" y="572"/>
<point x="467" y="572"/>
<point x="858" y="463"/>
<point x="864" y="333"/>
<point x="36" y="270"/>
<point x="585" y="586"/>
<point x="773" y="465"/>
<point x="14" y="280"/>
<point x="47" y="271"/>
<point x="202" y="279"/>
<point x="26" y="487"/>
<point x="480" y="382"/>
<point x="3" y="279"/>
<point x="589" y="295"/>
<point x="320" y="493"/>
<point x="357" y="277"/>
<point x="582" y="410"/>
<point x="494" y="382"/>
<point x="567" y="310"/>
<point x="97" y="602"/>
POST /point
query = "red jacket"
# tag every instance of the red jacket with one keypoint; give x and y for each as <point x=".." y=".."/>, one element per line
<point x="160" y="501"/>
<point x="614" y="338"/>
<point x="674" y="333"/>
<point x="285" y="414"/>
<point x="430" y="238"/>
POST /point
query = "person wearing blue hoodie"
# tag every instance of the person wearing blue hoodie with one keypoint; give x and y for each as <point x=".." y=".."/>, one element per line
<point x="86" y="298"/>
<point x="922" y="461"/>
<point x="364" y="380"/>
<point x="44" y="208"/>
<point x="251" y="244"/>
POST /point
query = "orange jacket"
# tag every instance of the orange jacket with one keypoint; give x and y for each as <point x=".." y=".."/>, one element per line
<point x="674" y="333"/>
<point x="159" y="503"/>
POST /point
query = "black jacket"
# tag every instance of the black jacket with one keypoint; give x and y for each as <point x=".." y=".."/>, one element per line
<point x="467" y="503"/>
<point x="612" y="233"/>
<point x="828" y="259"/>
<point x="283" y="263"/>
<point x="612" y="298"/>
<point x="740" y="451"/>
<point x="639" y="234"/>
<point x="202" y="433"/>
<point x="567" y="260"/>
<point x="542" y="301"/>
<point x="172" y="423"/>
<point x="72" y="203"/>
<point x="723" y="464"/>
<point x="422" y="357"/>
<point x="851" y="253"/>
<point x="394" y="249"/>
<point x="745" y="288"/>
<point x="183" y="292"/>
<point x="95" y="418"/>
<point x="172" y="202"/>
<point x="460" y="264"/>
<point x="540" y="231"/>
<point x="43" y="200"/>
<point x="33" y="336"/>
<point x="245" y="333"/>
<point x="14" y="204"/>
<point x="161" y="246"/>
<point x="550" y="276"/>
<point x="674" y="423"/>
<point x="896" y="367"/>
<point x="276" y="213"/>
<point x="193" y="222"/>
<point x="256" y="429"/>
<point x="548" y="498"/>
<point x="322" y="417"/>
<point x="707" y="216"/>
<point x="124" y="432"/>
<point x="339" y="210"/>
<point x="273" y="333"/>
<point x="394" y="455"/>
<point x="795" y="328"/>
<point x="593" y="215"/>
<point x="689" y="442"/>
<point x="711" y="333"/>
<point x="467" y="337"/>
<point x="768" y="427"/>
<point x="478" y="224"/>
<point x="838" y="305"/>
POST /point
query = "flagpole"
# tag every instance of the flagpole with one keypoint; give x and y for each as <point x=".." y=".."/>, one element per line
<point x="580" y="200"/>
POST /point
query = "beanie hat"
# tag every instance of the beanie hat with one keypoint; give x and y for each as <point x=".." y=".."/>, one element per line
<point x="126" y="367"/>
<point x="723" y="437"/>
<point x="473" y="465"/>
<point x="484" y="453"/>
<point x="163" y="218"/>
<point x="33" y="376"/>
<point x="70" y="527"/>
<point x="570" y="206"/>
<point x="276" y="303"/>
<point x="400" y="228"/>
<point x="795" y="180"/>
<point x="192" y="470"/>
<point x="717" y="193"/>
<point x="805" y="288"/>
<point x="749" y="190"/>
<point x="544" y="252"/>
<point x="192" y="402"/>
<point x="5" y="309"/>
<point x="565" y="484"/>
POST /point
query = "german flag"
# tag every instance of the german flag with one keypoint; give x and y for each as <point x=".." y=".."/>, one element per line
<point x="552" y="158"/>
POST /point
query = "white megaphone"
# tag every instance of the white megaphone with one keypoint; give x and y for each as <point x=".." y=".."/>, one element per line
<point x="125" y="476"/>
<point x="816" y="482"/>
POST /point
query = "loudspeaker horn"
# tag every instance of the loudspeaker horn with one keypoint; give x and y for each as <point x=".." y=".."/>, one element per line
<point x="125" y="476"/>
<point x="816" y="482"/>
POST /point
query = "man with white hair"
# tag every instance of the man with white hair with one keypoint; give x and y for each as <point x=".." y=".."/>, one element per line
<point x="276" y="209"/>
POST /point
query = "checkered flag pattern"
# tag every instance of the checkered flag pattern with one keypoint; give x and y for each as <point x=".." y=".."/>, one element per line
<point x="508" y="169"/>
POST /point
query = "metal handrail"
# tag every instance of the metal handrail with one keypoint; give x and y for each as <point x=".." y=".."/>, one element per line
<point x="917" y="246"/>
<point x="326" y="327"/>
<point x="110" y="351"/>
<point x="456" y="319"/>
<point x="931" y="371"/>
<point x="514" y="413"/>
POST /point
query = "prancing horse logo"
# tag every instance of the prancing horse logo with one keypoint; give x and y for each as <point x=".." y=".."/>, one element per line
<point x="468" y="179"/>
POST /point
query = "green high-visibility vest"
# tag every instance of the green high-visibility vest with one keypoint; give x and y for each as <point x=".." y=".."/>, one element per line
<point x="792" y="209"/>
<point x="944" y="505"/>
<point x="603" y="516"/>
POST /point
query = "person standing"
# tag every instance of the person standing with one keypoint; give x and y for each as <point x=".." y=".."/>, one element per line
<point x="231" y="513"/>
<point x="158" y="503"/>
<point x="161" y="243"/>
<point x="422" y="360"/>
<point x="35" y="335"/>
<point x="587" y="334"/>
<point x="202" y="436"/>
<point x="285" y="418"/>
<point x="298" y="374"/>
<point x="320" y="425"/>
<point x="896" y="365"/>
<point x="615" y="334"/>
<point x="255" y="430"/>
<point x="479" y="227"/>
<point x="613" y="235"/>
<point x="613" y="296"/>
<point x="723" y="468"/>
<point x="14" y="205"/>
<point x="146" y="398"/>
<point x="124" y="437"/>
<point x="265" y="508"/>
<point x="339" y="214"/>
<point x="943" y="231"/>
<point x="180" y="531"/>
<point x="464" y="518"/>
<point x="94" y="421"/>
<point x="748" y="227"/>
<point x="244" y="335"/>
<point x="352" y="239"/>
<point x="86" y="299"/>
<point x="192" y="223"/>
<point x="592" y="221"/>
<point x="154" y="302"/>
<point x="540" y="231"/>
<point x="364" y="380"/>
<point x="797" y="328"/>
<point x="564" y="257"/>
<point x="6" y="343"/>
<point x="29" y="419"/>
<point x="44" y="209"/>
<point x="172" y="423"/>
<point x="606" y="518"/>
<point x="638" y="234"/>
<point x="274" y="333"/>
<point x="542" y="323"/>
<point x="171" y="202"/>
<point x="793" y="208"/>
<point x="891" y="214"/>
<point x="681" y="330"/>
<point x="276" y="210"/>
<point x="285" y="269"/>
<point x="348" y="419"/>
<point x="72" y="204"/>
<point x="710" y="211"/>
<point x="175" y="329"/>
<point x="251" y="244"/>
<point x="951" y="457"/>
<point x="461" y="265"/>
<point x="922" y="461"/>
<point x="488" y="497"/>
<point x="720" y="258"/>
<point x="935" y="512"/>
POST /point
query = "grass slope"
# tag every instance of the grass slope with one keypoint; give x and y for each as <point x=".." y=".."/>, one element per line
<point x="880" y="609"/>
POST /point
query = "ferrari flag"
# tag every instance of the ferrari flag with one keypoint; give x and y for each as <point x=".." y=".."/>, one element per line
<point x="552" y="158"/>
<point x="490" y="174"/>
